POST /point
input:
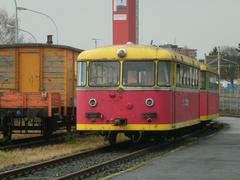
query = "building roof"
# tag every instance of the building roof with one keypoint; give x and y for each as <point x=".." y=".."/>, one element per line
<point x="37" y="45"/>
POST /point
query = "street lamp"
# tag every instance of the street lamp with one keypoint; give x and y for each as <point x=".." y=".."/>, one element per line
<point x="29" y="34"/>
<point x="26" y="9"/>
<point x="35" y="39"/>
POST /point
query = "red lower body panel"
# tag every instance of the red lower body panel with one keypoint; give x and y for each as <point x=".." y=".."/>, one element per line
<point x="170" y="110"/>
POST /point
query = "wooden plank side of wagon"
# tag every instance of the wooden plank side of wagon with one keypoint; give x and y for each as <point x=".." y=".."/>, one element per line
<point x="7" y="75"/>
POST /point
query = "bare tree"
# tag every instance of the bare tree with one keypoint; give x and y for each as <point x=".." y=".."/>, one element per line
<point x="7" y="28"/>
<point x="230" y="62"/>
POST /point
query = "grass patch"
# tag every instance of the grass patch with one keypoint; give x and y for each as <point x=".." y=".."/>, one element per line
<point x="72" y="145"/>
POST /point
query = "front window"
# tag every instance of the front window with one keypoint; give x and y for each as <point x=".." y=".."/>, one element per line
<point x="164" y="73"/>
<point x="138" y="73"/>
<point x="104" y="73"/>
<point x="81" y="76"/>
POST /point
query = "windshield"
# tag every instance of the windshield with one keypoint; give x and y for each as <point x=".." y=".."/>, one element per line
<point x="104" y="73"/>
<point x="138" y="73"/>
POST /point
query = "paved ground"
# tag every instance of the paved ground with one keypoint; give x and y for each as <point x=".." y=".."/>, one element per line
<point x="217" y="158"/>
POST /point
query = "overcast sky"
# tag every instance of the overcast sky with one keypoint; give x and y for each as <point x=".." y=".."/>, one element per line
<point x="200" y="24"/>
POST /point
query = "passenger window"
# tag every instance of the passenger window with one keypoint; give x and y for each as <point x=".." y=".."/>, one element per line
<point x="191" y="77"/>
<point x="81" y="73"/>
<point x="178" y="75"/>
<point x="202" y="80"/>
<point x="181" y="75"/>
<point x="164" y="73"/>
<point x="197" y="77"/>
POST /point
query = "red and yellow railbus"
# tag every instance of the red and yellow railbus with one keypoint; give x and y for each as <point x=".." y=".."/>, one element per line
<point x="136" y="90"/>
<point x="209" y="93"/>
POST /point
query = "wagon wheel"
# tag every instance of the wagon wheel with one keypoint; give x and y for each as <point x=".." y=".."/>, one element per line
<point x="112" y="138"/>
<point x="48" y="126"/>
<point x="7" y="128"/>
<point x="69" y="120"/>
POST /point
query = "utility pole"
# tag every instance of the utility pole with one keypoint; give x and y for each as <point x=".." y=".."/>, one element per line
<point x="238" y="49"/>
<point x="219" y="62"/>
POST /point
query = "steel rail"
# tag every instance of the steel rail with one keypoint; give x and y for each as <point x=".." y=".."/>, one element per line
<point x="29" y="142"/>
<point x="91" y="170"/>
<point x="41" y="165"/>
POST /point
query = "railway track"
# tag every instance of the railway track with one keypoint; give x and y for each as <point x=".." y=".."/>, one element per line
<point x="230" y="115"/>
<point x="104" y="161"/>
<point x="33" y="142"/>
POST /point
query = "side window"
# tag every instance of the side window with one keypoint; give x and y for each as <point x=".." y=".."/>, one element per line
<point x="202" y="80"/>
<point x="164" y="73"/>
<point x="178" y="79"/>
<point x="191" y="76"/>
<point x="81" y="73"/>
<point x="181" y="75"/>
<point x="188" y="75"/>
<point x="197" y="78"/>
<point x="184" y="75"/>
<point x="186" y="72"/>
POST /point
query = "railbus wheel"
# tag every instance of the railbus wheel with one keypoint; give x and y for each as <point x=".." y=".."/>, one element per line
<point x="112" y="137"/>
<point x="137" y="137"/>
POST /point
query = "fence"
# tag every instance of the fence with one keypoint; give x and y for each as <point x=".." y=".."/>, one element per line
<point x="229" y="102"/>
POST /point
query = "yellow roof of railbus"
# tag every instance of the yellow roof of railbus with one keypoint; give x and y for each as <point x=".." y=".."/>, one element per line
<point x="135" y="52"/>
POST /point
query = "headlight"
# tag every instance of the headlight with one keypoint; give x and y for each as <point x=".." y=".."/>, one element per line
<point x="149" y="102"/>
<point x="121" y="53"/>
<point x="92" y="102"/>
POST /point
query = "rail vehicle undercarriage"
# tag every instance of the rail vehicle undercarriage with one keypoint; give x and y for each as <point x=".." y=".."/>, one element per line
<point x="139" y="136"/>
<point x="27" y="113"/>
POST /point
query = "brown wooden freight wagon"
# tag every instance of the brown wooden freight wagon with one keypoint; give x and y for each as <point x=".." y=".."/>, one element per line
<point x="37" y="87"/>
